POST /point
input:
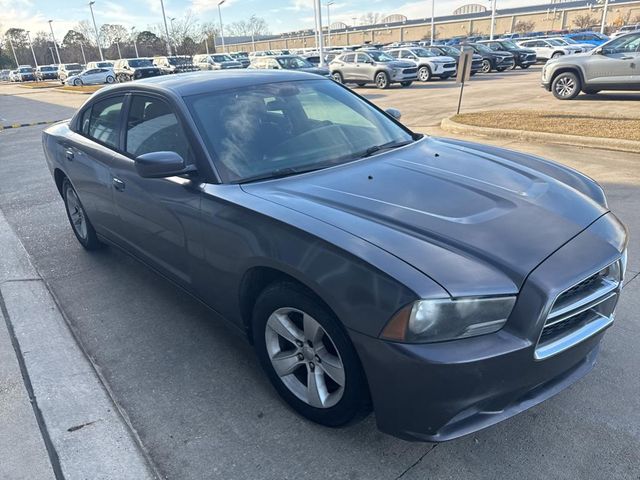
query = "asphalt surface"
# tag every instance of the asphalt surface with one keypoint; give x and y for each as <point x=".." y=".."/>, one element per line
<point x="193" y="390"/>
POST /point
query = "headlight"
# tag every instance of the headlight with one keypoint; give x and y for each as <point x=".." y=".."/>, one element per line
<point x="500" y="59"/>
<point x="438" y="320"/>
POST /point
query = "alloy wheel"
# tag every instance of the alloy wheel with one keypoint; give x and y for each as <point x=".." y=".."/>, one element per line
<point x="76" y="213"/>
<point x="382" y="81"/>
<point x="565" y="86"/>
<point x="486" y="66"/>
<point x="424" y="74"/>
<point x="305" y="357"/>
<point x="337" y="77"/>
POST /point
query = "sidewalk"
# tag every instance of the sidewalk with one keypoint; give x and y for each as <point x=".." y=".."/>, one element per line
<point x="57" y="420"/>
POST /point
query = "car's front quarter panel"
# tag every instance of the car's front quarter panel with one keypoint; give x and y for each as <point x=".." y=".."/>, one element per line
<point x="361" y="283"/>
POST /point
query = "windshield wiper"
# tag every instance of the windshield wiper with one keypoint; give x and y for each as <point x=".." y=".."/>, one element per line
<point x="280" y="173"/>
<point x="385" y="146"/>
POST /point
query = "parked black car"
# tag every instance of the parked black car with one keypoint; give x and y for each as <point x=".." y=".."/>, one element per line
<point x="492" y="59"/>
<point x="524" y="57"/>
<point x="175" y="64"/>
<point x="127" y="69"/>
<point x="449" y="285"/>
<point x="448" y="51"/>
<point x="46" y="72"/>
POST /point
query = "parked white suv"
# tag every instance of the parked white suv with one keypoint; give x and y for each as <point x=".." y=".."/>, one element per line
<point x="547" y="48"/>
<point x="430" y="63"/>
<point x="627" y="29"/>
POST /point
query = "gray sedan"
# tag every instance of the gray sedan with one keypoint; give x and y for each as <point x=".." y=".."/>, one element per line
<point x="447" y="285"/>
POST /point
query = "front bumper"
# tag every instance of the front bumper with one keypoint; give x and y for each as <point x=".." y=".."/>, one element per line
<point x="505" y="63"/>
<point x="441" y="391"/>
<point x="404" y="75"/>
<point x="529" y="60"/>
<point x="444" y="69"/>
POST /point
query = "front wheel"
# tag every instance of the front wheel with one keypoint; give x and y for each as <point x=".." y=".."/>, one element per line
<point x="566" y="86"/>
<point x="486" y="66"/>
<point x="424" y="74"/>
<point x="308" y="356"/>
<point x="77" y="82"/>
<point x="382" y="80"/>
<point x="78" y="219"/>
<point x="110" y="79"/>
<point x="337" y="77"/>
<point x="406" y="84"/>
<point x="556" y="55"/>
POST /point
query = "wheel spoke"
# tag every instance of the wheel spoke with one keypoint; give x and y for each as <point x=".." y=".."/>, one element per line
<point x="331" y="365"/>
<point x="312" y="329"/>
<point x="316" y="388"/>
<point x="285" y="363"/>
<point x="283" y="326"/>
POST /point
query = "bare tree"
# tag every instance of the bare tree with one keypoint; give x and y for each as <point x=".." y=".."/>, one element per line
<point x="253" y="26"/>
<point x="370" y="18"/>
<point x="87" y="31"/>
<point x="182" y="32"/>
<point x="584" y="21"/>
<point x="524" y="26"/>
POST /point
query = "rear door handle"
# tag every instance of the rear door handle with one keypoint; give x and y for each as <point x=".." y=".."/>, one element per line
<point x="118" y="184"/>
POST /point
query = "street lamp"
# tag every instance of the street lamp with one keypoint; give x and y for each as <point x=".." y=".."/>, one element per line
<point x="117" y="40"/>
<point x="604" y="14"/>
<point x="54" y="41"/>
<point x="221" y="28"/>
<point x="135" y="44"/>
<point x="433" y="21"/>
<point x="166" y="29"/>
<point x="173" y="34"/>
<point x="84" y="58"/>
<point x="15" y="57"/>
<point x="320" y="36"/>
<point x="31" y="46"/>
<point x="95" y="27"/>
<point x="493" y="19"/>
<point x="328" y="4"/>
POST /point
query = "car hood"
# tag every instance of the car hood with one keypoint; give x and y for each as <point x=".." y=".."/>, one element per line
<point x="317" y="70"/>
<point x="398" y="64"/>
<point x="439" y="59"/>
<point x="501" y="53"/>
<point x="475" y="221"/>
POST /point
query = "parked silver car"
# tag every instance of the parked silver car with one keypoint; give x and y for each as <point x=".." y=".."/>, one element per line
<point x="614" y="65"/>
<point x="547" y="48"/>
<point x="430" y="63"/>
<point x="215" y="61"/>
<point x="372" y="66"/>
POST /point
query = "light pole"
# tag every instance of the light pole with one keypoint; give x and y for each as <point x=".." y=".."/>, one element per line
<point x="35" y="60"/>
<point x="173" y="34"/>
<point x="15" y="57"/>
<point x="604" y="15"/>
<point x="84" y="59"/>
<point x="53" y="57"/>
<point x="329" y="22"/>
<point x="117" y="40"/>
<point x="95" y="27"/>
<point x="315" y="16"/>
<point x="433" y="21"/>
<point x="221" y="28"/>
<point x="493" y="19"/>
<point x="166" y="29"/>
<point x="320" y="36"/>
<point x="135" y="44"/>
<point x="54" y="41"/>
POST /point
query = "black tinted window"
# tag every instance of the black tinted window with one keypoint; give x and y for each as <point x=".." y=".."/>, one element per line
<point x="152" y="126"/>
<point x="104" y="121"/>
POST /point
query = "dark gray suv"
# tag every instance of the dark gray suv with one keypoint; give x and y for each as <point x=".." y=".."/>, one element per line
<point x="373" y="66"/>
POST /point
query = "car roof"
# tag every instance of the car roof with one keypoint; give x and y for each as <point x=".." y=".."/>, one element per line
<point x="195" y="83"/>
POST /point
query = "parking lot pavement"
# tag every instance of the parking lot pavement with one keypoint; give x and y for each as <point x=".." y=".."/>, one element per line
<point x="192" y="389"/>
<point x="22" y="105"/>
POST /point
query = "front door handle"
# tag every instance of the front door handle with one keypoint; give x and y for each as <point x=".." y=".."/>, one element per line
<point x="68" y="153"/>
<point x="118" y="184"/>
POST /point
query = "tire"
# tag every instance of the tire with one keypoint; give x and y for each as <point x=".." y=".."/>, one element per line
<point x="556" y="55"/>
<point x="486" y="66"/>
<point x="406" y="84"/>
<point x="337" y="77"/>
<point x="382" y="80"/>
<point x="566" y="86"/>
<point x="424" y="74"/>
<point x="77" y="82"/>
<point x="110" y="79"/>
<point x="80" y="224"/>
<point x="303" y="358"/>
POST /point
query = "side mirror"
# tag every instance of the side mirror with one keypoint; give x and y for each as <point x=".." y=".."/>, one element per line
<point x="161" y="165"/>
<point x="394" y="112"/>
<point x="598" y="51"/>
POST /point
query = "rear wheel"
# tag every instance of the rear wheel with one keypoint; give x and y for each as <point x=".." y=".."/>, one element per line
<point x="486" y="66"/>
<point x="424" y="74"/>
<point x="77" y="216"/>
<point x="566" y="86"/>
<point x="308" y="357"/>
<point x="382" y="80"/>
<point x="337" y="77"/>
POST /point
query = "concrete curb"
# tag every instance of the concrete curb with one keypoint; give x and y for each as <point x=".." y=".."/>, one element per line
<point x="60" y="89"/>
<point x="616" y="144"/>
<point x="84" y="430"/>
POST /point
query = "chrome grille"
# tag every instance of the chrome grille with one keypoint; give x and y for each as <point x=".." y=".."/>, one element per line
<point x="581" y="311"/>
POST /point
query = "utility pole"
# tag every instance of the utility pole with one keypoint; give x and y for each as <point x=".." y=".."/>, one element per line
<point x="95" y="27"/>
<point x="173" y="34"/>
<point x="604" y="15"/>
<point x="15" y="57"/>
<point x="135" y="44"/>
<point x="320" y="36"/>
<point x="117" y="40"/>
<point x="35" y="60"/>
<point x="315" y="17"/>
<point x="221" y="27"/>
<point x="54" y="41"/>
<point x="84" y="59"/>
<point x="493" y="19"/>
<point x="329" y="23"/>
<point x="166" y="29"/>
<point x="53" y="57"/>
<point x="433" y="21"/>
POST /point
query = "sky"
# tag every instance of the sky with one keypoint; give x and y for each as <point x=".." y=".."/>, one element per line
<point x="281" y="15"/>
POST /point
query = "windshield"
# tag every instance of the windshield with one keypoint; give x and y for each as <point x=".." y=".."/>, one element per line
<point x="508" y="44"/>
<point x="425" y="52"/>
<point x="291" y="63"/>
<point x="104" y="64"/>
<point x="221" y="58"/>
<point x="270" y="130"/>
<point x="142" y="62"/>
<point x="566" y="41"/>
<point x="451" y="51"/>
<point x="555" y="42"/>
<point x="26" y="70"/>
<point x="47" y="69"/>
<point x="483" y="48"/>
<point x="72" y="66"/>
<point x="178" y="60"/>
<point x="380" y="56"/>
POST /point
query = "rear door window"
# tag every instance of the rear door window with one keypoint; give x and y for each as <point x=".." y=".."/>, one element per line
<point x="104" y="121"/>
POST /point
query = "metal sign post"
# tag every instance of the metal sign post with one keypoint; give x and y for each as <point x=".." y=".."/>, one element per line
<point x="464" y="72"/>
